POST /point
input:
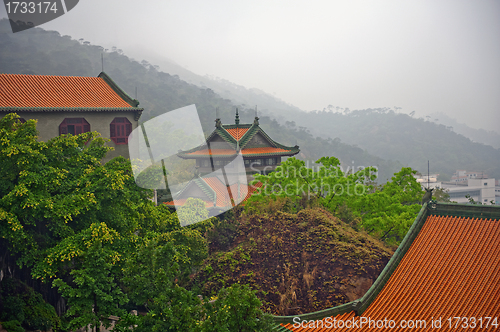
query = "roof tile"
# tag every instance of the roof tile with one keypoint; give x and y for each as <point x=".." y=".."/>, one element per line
<point x="237" y="133"/>
<point x="57" y="91"/>
<point x="244" y="151"/>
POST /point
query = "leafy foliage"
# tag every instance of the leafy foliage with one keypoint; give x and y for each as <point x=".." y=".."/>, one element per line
<point x="387" y="212"/>
<point x="20" y="304"/>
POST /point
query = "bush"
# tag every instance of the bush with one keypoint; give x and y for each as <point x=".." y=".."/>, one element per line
<point x="22" y="304"/>
<point x="222" y="235"/>
<point x="12" y="326"/>
<point x="237" y="308"/>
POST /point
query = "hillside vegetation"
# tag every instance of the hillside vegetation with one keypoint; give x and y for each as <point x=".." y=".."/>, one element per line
<point x="299" y="262"/>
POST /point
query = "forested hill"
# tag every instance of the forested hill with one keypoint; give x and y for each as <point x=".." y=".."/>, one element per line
<point x="396" y="136"/>
<point x="477" y="135"/>
<point x="36" y="51"/>
<point x="238" y="94"/>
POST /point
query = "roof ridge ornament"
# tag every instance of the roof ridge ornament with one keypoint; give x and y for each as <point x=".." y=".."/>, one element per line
<point x="256" y="120"/>
<point x="237" y="118"/>
<point x="218" y="123"/>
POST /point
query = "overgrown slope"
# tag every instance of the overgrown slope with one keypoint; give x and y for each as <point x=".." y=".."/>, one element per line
<point x="299" y="262"/>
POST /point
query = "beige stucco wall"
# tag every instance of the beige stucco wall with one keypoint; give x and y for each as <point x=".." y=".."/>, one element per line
<point x="48" y="125"/>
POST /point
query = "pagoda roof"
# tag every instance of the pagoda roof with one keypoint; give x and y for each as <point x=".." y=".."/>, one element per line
<point x="238" y="136"/>
<point x="43" y="93"/>
<point x="217" y="192"/>
<point x="447" y="266"/>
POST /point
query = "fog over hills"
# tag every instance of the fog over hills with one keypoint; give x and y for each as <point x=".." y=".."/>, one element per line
<point x="41" y="52"/>
<point x="283" y="111"/>
<point x="381" y="137"/>
<point x="477" y="135"/>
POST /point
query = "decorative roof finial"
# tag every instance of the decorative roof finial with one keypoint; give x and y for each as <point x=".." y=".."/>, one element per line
<point x="218" y="123"/>
<point x="237" y="118"/>
<point x="256" y="120"/>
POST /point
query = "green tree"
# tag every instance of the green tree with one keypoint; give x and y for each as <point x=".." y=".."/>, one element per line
<point x="52" y="190"/>
<point x="236" y="309"/>
<point x="329" y="185"/>
<point x="441" y="195"/>
<point x="93" y="292"/>
<point x="66" y="216"/>
<point x="390" y="211"/>
<point x="193" y="211"/>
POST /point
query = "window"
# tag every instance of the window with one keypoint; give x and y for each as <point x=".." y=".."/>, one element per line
<point x="119" y="129"/>
<point x="74" y="126"/>
<point x="247" y="162"/>
<point x="206" y="163"/>
<point x="486" y="183"/>
<point x="270" y="161"/>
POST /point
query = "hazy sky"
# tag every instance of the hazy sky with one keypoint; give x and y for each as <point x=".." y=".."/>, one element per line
<point x="425" y="56"/>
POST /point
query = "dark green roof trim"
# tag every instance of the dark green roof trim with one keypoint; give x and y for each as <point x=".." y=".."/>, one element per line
<point x="234" y="126"/>
<point x="202" y="185"/>
<point x="206" y="189"/>
<point x="431" y="208"/>
<point x="466" y="210"/>
<point x="118" y="90"/>
<point x="396" y="258"/>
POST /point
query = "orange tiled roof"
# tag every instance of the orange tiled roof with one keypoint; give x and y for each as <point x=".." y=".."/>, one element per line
<point x="220" y="189"/>
<point x="237" y="133"/>
<point x="452" y="269"/>
<point x="222" y="195"/>
<point x="57" y="92"/>
<point x="207" y="152"/>
<point x="244" y="151"/>
<point x="180" y="202"/>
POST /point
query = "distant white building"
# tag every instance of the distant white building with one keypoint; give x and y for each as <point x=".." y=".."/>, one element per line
<point x="481" y="190"/>
<point x="461" y="176"/>
<point x="427" y="180"/>
<point x="463" y="183"/>
<point x="497" y="192"/>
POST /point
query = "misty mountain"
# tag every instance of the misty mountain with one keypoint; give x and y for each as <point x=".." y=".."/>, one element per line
<point x="36" y="51"/>
<point x="396" y="136"/>
<point x="477" y="135"/>
<point x="238" y="94"/>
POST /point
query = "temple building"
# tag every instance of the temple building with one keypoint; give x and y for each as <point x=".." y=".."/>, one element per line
<point x="261" y="154"/>
<point x="221" y="182"/>
<point x="72" y="105"/>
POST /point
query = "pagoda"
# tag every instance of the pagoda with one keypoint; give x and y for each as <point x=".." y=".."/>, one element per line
<point x="261" y="154"/>
<point x="226" y="163"/>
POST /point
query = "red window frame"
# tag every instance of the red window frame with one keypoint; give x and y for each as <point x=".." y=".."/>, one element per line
<point x="119" y="130"/>
<point x="74" y="126"/>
